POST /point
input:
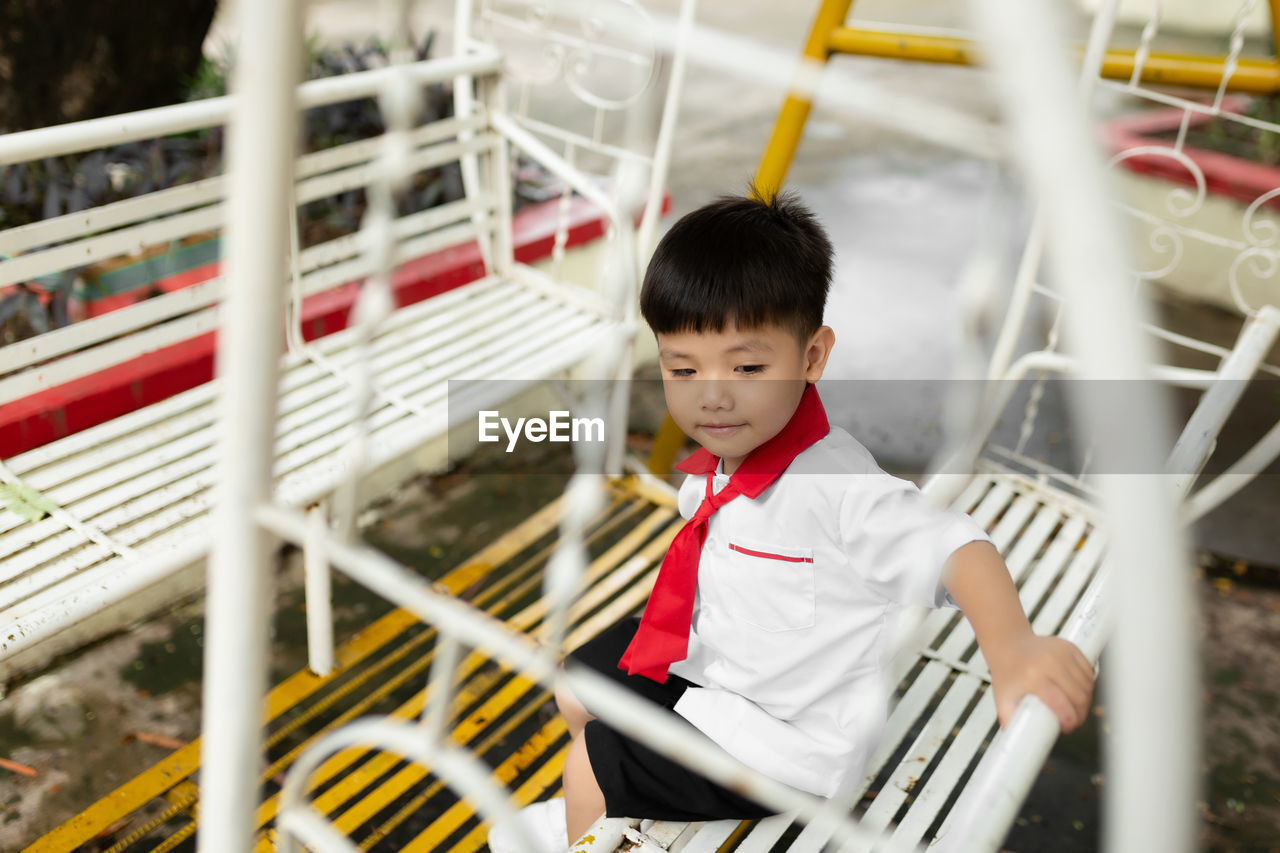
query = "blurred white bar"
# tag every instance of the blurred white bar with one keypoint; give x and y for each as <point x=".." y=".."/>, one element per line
<point x="181" y="118"/>
<point x="260" y="157"/>
<point x="1153" y="753"/>
<point x="319" y="595"/>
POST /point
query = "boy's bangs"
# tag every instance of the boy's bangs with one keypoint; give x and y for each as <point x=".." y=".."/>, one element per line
<point x="739" y="262"/>
<point x="715" y="309"/>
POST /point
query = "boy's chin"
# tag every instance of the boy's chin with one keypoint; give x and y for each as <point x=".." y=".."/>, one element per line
<point x="729" y="451"/>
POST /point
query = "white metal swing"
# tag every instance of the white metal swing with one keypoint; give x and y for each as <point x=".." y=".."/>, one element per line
<point x="127" y="501"/>
<point x="1044" y="525"/>
<point x="1040" y="527"/>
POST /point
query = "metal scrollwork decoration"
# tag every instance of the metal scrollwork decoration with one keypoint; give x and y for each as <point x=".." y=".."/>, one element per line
<point x="1165" y="239"/>
<point x="605" y="51"/>
<point x="1261" y="255"/>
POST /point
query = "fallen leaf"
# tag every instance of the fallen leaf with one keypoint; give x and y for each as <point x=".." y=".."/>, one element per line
<point x="25" y="501"/>
<point x="15" y="767"/>
<point x="157" y="739"/>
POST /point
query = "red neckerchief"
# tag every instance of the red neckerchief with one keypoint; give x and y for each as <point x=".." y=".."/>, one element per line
<point x="663" y="635"/>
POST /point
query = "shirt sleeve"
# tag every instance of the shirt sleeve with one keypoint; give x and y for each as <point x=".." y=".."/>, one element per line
<point x="899" y="542"/>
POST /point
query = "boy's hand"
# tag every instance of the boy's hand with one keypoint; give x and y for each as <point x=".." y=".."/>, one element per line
<point x="1052" y="668"/>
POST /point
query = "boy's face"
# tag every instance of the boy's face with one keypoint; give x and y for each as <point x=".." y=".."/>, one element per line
<point x="733" y="390"/>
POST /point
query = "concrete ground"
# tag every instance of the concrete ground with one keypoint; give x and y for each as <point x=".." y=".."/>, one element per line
<point x="902" y="213"/>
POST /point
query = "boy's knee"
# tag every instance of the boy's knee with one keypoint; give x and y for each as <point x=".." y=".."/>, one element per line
<point x="584" y="801"/>
<point x="577" y="766"/>
<point x="570" y="708"/>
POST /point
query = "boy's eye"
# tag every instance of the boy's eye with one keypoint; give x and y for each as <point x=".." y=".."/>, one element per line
<point x="751" y="369"/>
<point x="681" y="372"/>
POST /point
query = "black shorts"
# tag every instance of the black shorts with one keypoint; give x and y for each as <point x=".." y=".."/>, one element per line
<point x="636" y="781"/>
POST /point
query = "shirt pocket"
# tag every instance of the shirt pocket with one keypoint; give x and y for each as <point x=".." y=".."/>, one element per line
<point x="771" y="586"/>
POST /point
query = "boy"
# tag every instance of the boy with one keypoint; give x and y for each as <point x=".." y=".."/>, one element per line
<point x="768" y="627"/>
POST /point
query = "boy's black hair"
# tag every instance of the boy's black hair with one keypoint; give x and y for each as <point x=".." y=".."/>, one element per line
<point x="744" y="261"/>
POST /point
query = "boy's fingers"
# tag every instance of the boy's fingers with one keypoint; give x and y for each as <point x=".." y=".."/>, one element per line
<point x="1075" y="693"/>
<point x="1086" y="668"/>
<point x="1078" y="668"/>
<point x="1063" y="707"/>
<point x="1074" y="688"/>
<point x="1082" y="680"/>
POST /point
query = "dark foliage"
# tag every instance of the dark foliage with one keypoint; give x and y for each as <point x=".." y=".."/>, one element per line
<point x="30" y="192"/>
<point x="66" y="60"/>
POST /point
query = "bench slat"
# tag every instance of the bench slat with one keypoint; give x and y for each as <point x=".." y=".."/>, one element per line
<point x="157" y="491"/>
<point x="942" y="782"/>
<point x="911" y="769"/>
<point x="152" y="451"/>
<point x="766" y="833"/>
<point x="706" y="838"/>
<point x="329" y="436"/>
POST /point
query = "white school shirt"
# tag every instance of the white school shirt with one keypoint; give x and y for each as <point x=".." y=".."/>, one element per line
<point x="798" y="593"/>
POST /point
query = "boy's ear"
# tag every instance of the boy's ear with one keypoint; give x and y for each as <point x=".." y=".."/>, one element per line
<point x="817" y="351"/>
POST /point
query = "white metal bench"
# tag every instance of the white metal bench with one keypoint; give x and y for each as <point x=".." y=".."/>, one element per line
<point x="1046" y="523"/>
<point x="128" y="500"/>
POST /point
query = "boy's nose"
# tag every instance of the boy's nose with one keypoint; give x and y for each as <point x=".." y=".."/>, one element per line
<point x="713" y="394"/>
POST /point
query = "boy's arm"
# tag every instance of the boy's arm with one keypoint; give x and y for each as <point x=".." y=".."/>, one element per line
<point x="1020" y="660"/>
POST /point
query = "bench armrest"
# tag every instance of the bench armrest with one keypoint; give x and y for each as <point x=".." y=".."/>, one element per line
<point x="579" y="183"/>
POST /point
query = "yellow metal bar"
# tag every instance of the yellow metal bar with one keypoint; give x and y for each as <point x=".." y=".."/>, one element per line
<point x="169" y="774"/>
<point x="487" y="598"/>
<point x="180" y="799"/>
<point x="1274" y="9"/>
<point x="174" y="840"/>
<point x="624" y="575"/>
<point x="778" y="154"/>
<point x="789" y="126"/>
<point x="666" y="446"/>
<point x="739" y="832"/>
<point x="123" y="801"/>
<point x="511" y="693"/>
<point x="375" y="801"/>
<point x="183" y="794"/>
<point x="546" y="775"/>
<point x="178" y="766"/>
<point x="1165" y="69"/>
<point x="908" y="46"/>
<point x="1254" y="76"/>
<point x="410" y="808"/>
<point x="647" y="491"/>
<point x="350" y="785"/>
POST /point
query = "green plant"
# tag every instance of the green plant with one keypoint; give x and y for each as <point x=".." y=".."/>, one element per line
<point x="1229" y="135"/>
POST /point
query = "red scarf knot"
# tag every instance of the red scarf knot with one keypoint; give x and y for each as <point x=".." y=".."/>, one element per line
<point x="663" y="635"/>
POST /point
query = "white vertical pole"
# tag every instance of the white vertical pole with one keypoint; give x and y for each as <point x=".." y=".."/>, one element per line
<point x="1152" y="665"/>
<point x="261" y="149"/>
<point x="319" y="592"/>
<point x="645" y="237"/>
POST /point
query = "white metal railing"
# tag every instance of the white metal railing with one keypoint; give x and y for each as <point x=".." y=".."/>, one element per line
<point x="1172" y="233"/>
<point x="74" y="240"/>
<point x="260" y="159"/>
<point x="212" y="112"/>
<point x="1143" y="539"/>
<point x="1145" y="548"/>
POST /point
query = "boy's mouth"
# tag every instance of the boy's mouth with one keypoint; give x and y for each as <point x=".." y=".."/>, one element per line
<point x="722" y="429"/>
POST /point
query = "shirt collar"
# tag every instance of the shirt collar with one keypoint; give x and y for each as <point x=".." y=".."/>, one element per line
<point x="763" y="465"/>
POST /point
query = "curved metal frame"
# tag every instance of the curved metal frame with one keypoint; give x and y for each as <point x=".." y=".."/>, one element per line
<point x="1145" y="548"/>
